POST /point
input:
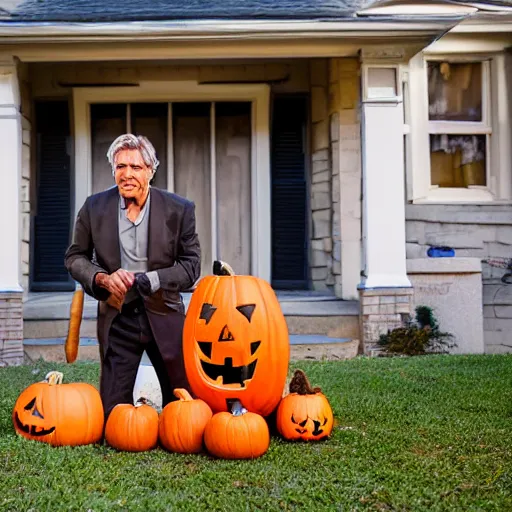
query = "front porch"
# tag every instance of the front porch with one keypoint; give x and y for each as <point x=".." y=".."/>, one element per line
<point x="320" y="325"/>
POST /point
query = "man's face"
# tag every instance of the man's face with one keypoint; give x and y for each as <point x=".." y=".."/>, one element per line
<point x="132" y="175"/>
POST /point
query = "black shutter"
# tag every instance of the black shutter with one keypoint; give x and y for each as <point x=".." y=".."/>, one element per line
<point x="52" y="221"/>
<point x="289" y="193"/>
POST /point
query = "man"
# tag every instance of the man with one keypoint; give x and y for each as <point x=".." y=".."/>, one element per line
<point x="135" y="248"/>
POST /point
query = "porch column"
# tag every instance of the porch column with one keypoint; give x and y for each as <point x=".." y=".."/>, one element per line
<point x="385" y="291"/>
<point x="11" y="312"/>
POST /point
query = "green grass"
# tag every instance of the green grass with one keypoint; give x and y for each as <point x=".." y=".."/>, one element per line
<point x="425" y="433"/>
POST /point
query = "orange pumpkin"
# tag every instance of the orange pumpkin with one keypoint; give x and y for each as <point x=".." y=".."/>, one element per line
<point x="237" y="435"/>
<point x="182" y="423"/>
<point x="235" y="342"/>
<point x="132" y="428"/>
<point x="305" y="413"/>
<point x="59" y="414"/>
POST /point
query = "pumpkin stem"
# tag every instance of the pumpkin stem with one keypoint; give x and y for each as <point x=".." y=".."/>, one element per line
<point x="221" y="268"/>
<point x="300" y="384"/>
<point x="53" y="378"/>
<point x="237" y="409"/>
<point x="144" y="401"/>
<point x="182" y="394"/>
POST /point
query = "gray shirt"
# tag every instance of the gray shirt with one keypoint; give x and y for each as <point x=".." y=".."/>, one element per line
<point x="133" y="242"/>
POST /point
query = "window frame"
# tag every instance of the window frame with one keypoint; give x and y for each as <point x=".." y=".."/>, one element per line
<point x="420" y="127"/>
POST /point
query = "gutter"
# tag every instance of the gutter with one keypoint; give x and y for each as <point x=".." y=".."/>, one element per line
<point x="197" y="30"/>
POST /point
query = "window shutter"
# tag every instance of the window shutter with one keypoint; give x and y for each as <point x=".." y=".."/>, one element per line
<point x="53" y="208"/>
<point x="289" y="193"/>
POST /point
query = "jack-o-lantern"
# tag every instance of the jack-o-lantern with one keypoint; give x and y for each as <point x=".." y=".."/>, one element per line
<point x="59" y="414"/>
<point x="305" y="414"/>
<point x="235" y="342"/>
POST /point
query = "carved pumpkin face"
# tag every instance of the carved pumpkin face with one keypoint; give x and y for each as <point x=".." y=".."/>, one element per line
<point x="59" y="414"/>
<point x="305" y="414"/>
<point x="236" y="343"/>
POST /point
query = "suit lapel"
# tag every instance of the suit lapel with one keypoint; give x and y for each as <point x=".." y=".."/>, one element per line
<point x="156" y="231"/>
<point x="110" y="230"/>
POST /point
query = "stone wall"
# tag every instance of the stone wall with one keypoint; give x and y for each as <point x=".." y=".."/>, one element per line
<point x="335" y="176"/>
<point x="345" y="140"/>
<point x="321" y="180"/>
<point x="481" y="231"/>
<point x="26" y="171"/>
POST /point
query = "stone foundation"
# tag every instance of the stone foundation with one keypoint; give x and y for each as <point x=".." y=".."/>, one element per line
<point x="382" y="310"/>
<point x="11" y="328"/>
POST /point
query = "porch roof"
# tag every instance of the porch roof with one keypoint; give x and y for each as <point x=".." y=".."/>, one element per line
<point x="142" y="10"/>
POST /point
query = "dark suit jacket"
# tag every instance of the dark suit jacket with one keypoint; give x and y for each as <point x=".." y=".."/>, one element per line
<point x="173" y="251"/>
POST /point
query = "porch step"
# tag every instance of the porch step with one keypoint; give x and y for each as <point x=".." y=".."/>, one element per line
<point x="46" y="315"/>
<point x="304" y="346"/>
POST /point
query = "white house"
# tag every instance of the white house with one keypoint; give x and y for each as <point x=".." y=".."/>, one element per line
<point x="323" y="145"/>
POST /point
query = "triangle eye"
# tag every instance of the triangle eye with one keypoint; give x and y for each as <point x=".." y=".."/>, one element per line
<point x="207" y="312"/>
<point x="247" y="310"/>
<point x="30" y="404"/>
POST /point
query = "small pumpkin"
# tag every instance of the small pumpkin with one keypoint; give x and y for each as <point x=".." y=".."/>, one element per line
<point x="59" y="414"/>
<point x="235" y="342"/>
<point x="182" y="423"/>
<point x="132" y="428"/>
<point x="238" y="434"/>
<point x="305" y="414"/>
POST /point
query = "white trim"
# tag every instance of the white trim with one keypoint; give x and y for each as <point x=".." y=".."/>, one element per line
<point x="11" y="148"/>
<point x="466" y="44"/>
<point x="185" y="30"/>
<point x="501" y="107"/>
<point x="365" y="71"/>
<point x="498" y="165"/>
<point x="258" y="94"/>
<point x="383" y="196"/>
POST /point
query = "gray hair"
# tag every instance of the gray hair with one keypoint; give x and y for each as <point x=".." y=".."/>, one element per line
<point x="130" y="141"/>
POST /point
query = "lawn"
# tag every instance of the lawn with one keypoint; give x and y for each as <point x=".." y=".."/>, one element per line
<point x="424" y="433"/>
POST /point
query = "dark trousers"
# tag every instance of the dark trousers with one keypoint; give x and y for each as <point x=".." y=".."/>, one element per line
<point x="130" y="334"/>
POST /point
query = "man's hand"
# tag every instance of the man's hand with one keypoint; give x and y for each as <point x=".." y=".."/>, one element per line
<point x="117" y="283"/>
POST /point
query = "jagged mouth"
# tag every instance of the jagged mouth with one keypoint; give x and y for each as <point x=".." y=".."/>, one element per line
<point x="227" y="373"/>
<point x="32" y="430"/>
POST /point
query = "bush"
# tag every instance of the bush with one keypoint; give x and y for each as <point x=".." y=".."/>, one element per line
<point x="420" y="336"/>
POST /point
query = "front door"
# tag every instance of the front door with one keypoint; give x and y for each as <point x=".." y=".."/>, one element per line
<point x="204" y="150"/>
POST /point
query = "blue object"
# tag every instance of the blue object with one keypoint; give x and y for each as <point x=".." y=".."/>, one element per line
<point x="440" y="252"/>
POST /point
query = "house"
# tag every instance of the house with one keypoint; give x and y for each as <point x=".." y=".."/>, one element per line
<point x="324" y="142"/>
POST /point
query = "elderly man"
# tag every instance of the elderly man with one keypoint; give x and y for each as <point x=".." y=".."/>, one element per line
<point x="135" y="247"/>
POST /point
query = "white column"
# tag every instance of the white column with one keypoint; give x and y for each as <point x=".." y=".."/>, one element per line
<point x="10" y="149"/>
<point x="384" y="195"/>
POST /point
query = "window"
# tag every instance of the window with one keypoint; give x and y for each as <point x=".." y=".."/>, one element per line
<point x="458" y="123"/>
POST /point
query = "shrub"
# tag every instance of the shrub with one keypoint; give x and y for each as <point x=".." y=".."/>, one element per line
<point x="420" y="336"/>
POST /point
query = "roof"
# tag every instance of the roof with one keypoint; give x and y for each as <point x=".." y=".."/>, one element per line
<point x="145" y="10"/>
<point x="41" y="11"/>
